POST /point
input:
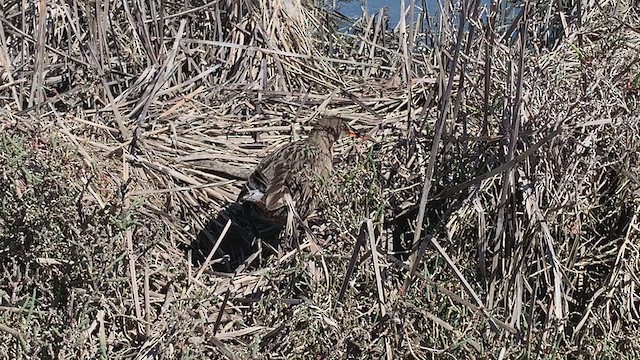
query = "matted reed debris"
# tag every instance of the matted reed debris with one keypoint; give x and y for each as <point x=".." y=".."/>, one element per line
<point x="494" y="216"/>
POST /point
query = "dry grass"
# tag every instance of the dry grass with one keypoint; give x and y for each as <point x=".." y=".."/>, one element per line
<point x="495" y="215"/>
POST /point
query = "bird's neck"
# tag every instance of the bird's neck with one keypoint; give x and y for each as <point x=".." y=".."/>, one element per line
<point x="321" y="139"/>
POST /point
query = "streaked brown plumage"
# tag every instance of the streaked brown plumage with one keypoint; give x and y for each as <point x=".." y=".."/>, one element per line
<point x="297" y="168"/>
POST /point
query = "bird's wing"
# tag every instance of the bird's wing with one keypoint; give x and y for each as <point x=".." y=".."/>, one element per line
<point x="293" y="169"/>
<point x="265" y="183"/>
<point x="298" y="177"/>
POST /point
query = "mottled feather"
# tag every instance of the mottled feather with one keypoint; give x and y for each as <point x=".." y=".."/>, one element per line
<point x="298" y="168"/>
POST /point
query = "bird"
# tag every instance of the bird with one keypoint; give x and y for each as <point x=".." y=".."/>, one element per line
<point x="295" y="171"/>
<point x="293" y="174"/>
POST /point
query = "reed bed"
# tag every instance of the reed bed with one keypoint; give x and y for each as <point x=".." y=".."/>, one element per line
<point x="494" y="214"/>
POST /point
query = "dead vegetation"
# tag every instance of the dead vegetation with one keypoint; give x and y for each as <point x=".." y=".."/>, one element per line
<point x="495" y="215"/>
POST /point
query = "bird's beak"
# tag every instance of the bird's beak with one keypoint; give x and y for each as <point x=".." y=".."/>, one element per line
<point x="352" y="133"/>
<point x="349" y="131"/>
<point x="358" y="135"/>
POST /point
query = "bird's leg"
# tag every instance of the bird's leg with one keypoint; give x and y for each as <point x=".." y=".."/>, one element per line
<point x="294" y="223"/>
<point x="314" y="246"/>
<point x="291" y="226"/>
<point x="257" y="234"/>
<point x="248" y="213"/>
<point x="290" y="229"/>
<point x="260" y="258"/>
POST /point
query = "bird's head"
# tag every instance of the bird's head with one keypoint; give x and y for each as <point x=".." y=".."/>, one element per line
<point x="335" y="128"/>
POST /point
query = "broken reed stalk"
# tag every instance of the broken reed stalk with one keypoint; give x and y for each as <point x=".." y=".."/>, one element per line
<point x="133" y="278"/>
<point x="212" y="252"/>
<point x="379" y="286"/>
<point x="352" y="261"/>
<point x="221" y="311"/>
<point x="442" y="118"/>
